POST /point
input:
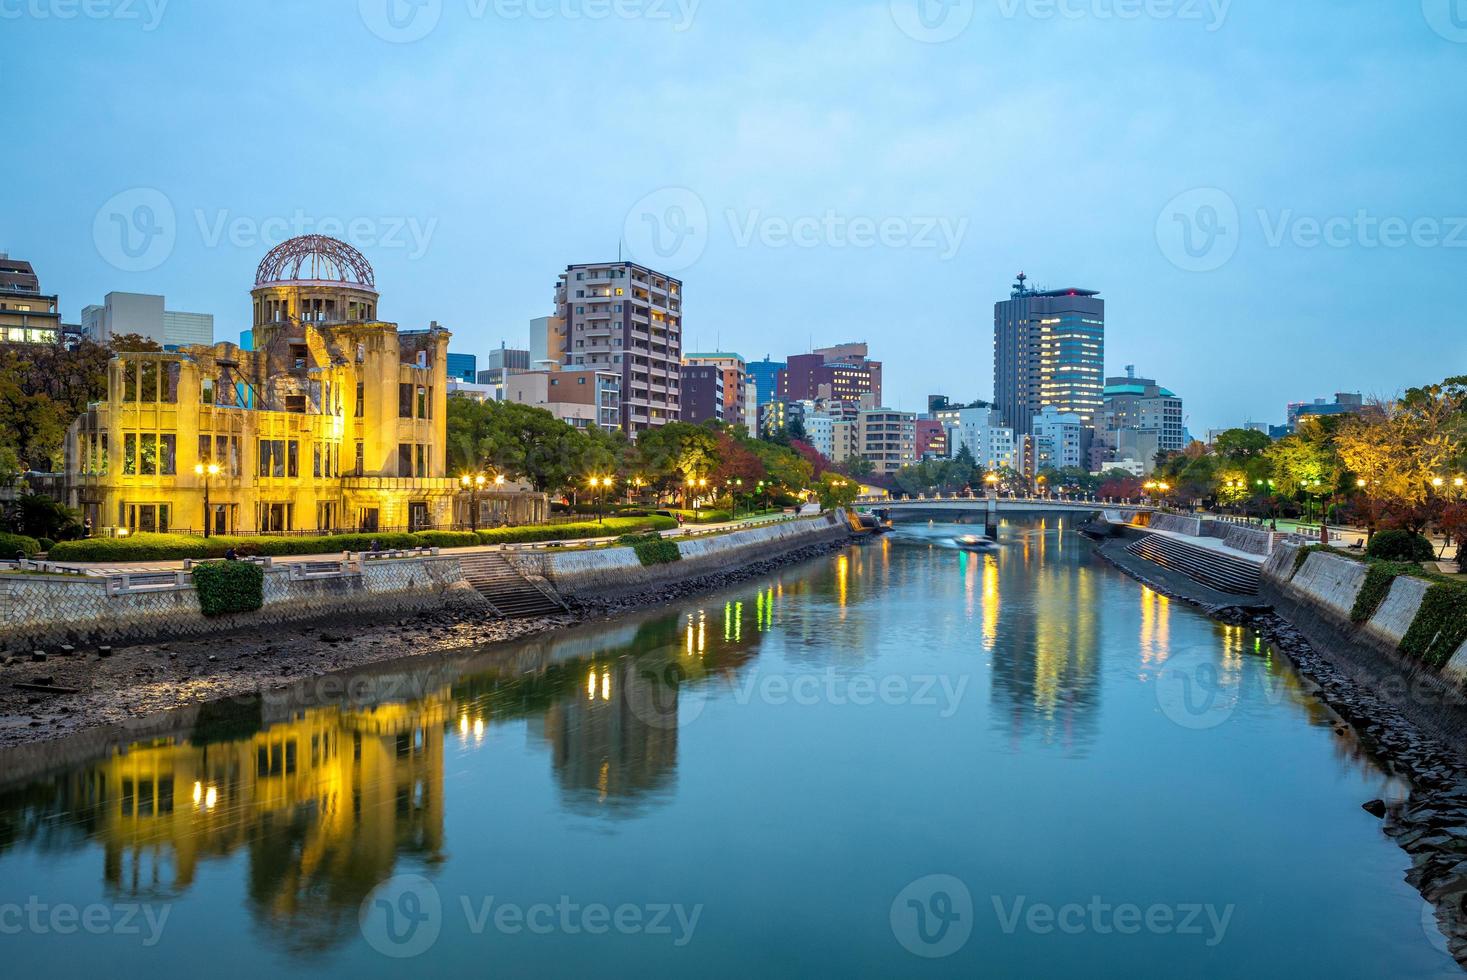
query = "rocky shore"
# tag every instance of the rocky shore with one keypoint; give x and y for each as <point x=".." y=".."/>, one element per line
<point x="64" y="690"/>
<point x="1431" y="823"/>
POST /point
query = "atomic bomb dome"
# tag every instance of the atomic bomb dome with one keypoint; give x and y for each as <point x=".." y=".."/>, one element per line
<point x="314" y="279"/>
<point x="315" y="259"/>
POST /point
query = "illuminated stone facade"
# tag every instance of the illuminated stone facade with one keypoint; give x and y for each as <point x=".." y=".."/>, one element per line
<point x="336" y="421"/>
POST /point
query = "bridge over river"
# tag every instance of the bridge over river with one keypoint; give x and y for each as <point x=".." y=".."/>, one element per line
<point x="956" y="505"/>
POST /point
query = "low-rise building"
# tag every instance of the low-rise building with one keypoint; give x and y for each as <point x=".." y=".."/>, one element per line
<point x="1058" y="438"/>
<point x="703" y="393"/>
<point x="582" y="397"/>
<point x="335" y="421"/>
<point x="980" y="430"/>
<point x="27" y="316"/>
<point x="146" y="315"/>
<point x="931" y="438"/>
<point x="887" y="439"/>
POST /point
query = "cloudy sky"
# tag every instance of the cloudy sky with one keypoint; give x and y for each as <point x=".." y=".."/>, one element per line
<point x="1271" y="197"/>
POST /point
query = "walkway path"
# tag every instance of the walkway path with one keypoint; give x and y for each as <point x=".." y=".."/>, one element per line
<point x="695" y="530"/>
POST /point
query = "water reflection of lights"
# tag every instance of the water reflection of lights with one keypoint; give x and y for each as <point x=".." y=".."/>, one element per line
<point x="842" y="581"/>
<point x="697" y="633"/>
<point x="205" y="797"/>
<point x="1155" y="626"/>
<point x="990" y="602"/>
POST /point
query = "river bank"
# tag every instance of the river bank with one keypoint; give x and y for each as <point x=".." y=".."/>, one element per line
<point x="131" y="685"/>
<point x="1430" y="824"/>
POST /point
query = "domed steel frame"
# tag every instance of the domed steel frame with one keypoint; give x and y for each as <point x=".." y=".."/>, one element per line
<point x="315" y="258"/>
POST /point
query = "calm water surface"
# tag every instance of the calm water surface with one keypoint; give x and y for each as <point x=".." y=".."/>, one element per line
<point x="904" y="759"/>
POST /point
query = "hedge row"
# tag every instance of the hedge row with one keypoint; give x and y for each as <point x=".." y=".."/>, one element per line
<point x="226" y="587"/>
<point x="11" y="544"/>
<point x="653" y="549"/>
<point x="1440" y="627"/>
<point x="1379" y="578"/>
<point x="174" y="547"/>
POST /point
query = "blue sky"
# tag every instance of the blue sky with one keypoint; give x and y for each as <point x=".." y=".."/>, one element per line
<point x="1270" y="197"/>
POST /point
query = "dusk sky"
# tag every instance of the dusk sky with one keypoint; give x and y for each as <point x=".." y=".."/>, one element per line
<point x="1272" y="208"/>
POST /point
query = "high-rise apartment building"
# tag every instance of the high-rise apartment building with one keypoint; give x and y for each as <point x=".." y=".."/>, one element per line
<point x="626" y="318"/>
<point x="841" y="373"/>
<point x="144" y="314"/>
<point x="931" y="436"/>
<point x="1048" y="349"/>
<point x="547" y="343"/>
<point x="26" y="315"/>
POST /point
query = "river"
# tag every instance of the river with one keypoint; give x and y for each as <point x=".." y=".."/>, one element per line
<point x="903" y="759"/>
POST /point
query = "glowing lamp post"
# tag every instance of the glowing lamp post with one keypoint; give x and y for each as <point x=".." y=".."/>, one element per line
<point x="207" y="473"/>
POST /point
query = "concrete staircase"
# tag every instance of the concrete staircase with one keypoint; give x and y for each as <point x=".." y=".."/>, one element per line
<point x="1235" y="576"/>
<point x="511" y="594"/>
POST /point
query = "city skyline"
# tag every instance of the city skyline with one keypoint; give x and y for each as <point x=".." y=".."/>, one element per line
<point x="763" y="172"/>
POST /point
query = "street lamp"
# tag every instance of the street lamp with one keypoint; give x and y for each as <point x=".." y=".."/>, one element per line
<point x="475" y="484"/>
<point x="597" y="483"/>
<point x="208" y="473"/>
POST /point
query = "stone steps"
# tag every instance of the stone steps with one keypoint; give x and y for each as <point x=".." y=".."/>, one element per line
<point x="509" y="592"/>
<point x="1213" y="569"/>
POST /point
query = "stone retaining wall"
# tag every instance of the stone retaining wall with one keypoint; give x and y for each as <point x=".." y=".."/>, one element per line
<point x="1176" y="523"/>
<point x="35" y="609"/>
<point x="1319" y="599"/>
<point x="612" y="572"/>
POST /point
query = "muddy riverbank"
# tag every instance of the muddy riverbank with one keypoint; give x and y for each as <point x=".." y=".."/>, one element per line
<point x="122" y="686"/>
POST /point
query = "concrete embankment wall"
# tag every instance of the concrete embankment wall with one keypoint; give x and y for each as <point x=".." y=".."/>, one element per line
<point x="617" y="571"/>
<point x="1319" y="598"/>
<point x="36" y="609"/>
